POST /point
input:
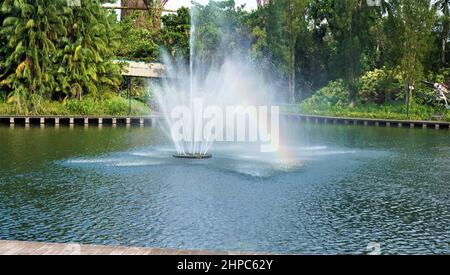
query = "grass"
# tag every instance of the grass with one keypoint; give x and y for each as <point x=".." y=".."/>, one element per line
<point x="395" y="111"/>
<point x="88" y="106"/>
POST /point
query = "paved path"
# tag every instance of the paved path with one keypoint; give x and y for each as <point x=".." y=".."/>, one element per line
<point x="37" y="248"/>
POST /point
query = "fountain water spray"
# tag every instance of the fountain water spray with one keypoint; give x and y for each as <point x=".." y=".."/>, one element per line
<point x="232" y="80"/>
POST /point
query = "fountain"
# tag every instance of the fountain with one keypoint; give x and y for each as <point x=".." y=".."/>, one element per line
<point x="230" y="81"/>
<point x="329" y="189"/>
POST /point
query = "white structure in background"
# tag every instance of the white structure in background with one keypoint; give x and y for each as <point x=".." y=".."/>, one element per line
<point x="73" y="3"/>
<point x="116" y="4"/>
<point x="142" y="69"/>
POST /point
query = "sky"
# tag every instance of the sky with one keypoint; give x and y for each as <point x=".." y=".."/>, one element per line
<point x="175" y="4"/>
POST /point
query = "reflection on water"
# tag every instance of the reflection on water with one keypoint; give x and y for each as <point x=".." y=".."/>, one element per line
<point x="331" y="189"/>
<point x="239" y="159"/>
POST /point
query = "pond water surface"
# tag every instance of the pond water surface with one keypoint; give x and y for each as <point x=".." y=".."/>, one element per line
<point x="331" y="189"/>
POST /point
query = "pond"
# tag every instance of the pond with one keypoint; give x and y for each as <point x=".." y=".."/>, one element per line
<point x="331" y="189"/>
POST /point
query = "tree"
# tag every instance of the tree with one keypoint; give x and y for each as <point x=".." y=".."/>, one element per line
<point x="86" y="55"/>
<point x="276" y="50"/>
<point x="32" y="29"/>
<point x="156" y="8"/>
<point x="220" y="29"/>
<point x="349" y="23"/>
<point x="277" y="28"/>
<point x="416" y="19"/>
<point x="54" y="50"/>
<point x="3" y="43"/>
<point x="175" y="33"/>
<point x="315" y="48"/>
<point x="149" y="12"/>
<point x="444" y="6"/>
<point x="296" y="23"/>
<point x="137" y="43"/>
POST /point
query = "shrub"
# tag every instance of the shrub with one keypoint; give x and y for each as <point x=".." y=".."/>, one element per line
<point x="88" y="106"/>
<point x="442" y="76"/>
<point x="335" y="93"/>
<point x="379" y="86"/>
<point x="117" y="105"/>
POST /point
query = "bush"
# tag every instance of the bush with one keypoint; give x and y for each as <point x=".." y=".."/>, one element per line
<point x="379" y="86"/>
<point x="443" y="76"/>
<point x="335" y="93"/>
<point x="114" y="106"/>
<point x="395" y="110"/>
<point x="332" y="100"/>
<point x="88" y="106"/>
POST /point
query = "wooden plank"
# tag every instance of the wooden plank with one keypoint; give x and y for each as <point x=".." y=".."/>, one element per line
<point x="150" y="120"/>
<point x="7" y="248"/>
<point x="37" y="248"/>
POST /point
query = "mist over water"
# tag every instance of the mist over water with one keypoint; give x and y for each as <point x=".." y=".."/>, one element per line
<point x="228" y="78"/>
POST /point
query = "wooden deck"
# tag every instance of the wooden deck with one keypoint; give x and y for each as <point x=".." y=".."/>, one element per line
<point x="367" y="121"/>
<point x="37" y="248"/>
<point x="56" y="121"/>
<point x="150" y="121"/>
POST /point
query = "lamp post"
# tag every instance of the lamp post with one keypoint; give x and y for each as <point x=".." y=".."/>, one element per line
<point x="129" y="94"/>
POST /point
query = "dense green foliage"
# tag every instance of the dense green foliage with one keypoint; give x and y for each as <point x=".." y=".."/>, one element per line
<point x="137" y="43"/>
<point x="53" y="51"/>
<point x="346" y="39"/>
<point x="374" y="52"/>
<point x="87" y="52"/>
<point x="362" y="56"/>
<point x="335" y="94"/>
<point x="174" y="36"/>
<point x="379" y="86"/>
<point x="88" y="106"/>
<point x="144" y="44"/>
<point x="332" y="100"/>
<point x="393" y="110"/>
<point x="32" y="30"/>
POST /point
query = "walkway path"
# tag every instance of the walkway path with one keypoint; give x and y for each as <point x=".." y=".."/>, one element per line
<point x="36" y="248"/>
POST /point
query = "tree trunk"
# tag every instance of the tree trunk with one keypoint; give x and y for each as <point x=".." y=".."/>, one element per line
<point x="291" y="56"/>
<point x="446" y="30"/>
<point x="292" y="79"/>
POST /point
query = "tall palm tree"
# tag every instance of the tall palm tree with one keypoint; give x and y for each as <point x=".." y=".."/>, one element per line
<point x="2" y="56"/>
<point x="32" y="28"/>
<point x="86" y="55"/>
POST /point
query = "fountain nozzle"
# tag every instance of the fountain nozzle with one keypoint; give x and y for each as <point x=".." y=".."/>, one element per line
<point x="192" y="156"/>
